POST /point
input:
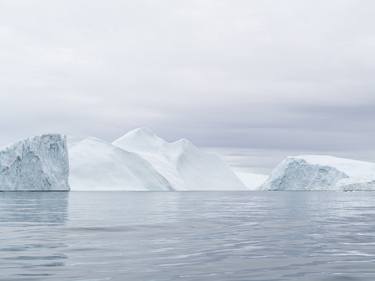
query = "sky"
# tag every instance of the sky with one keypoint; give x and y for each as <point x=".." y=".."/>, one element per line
<point x="254" y="79"/>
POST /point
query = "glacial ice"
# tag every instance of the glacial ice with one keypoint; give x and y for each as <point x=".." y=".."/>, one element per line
<point x="35" y="164"/>
<point x="181" y="163"/>
<point x="142" y="161"/>
<point x="251" y="180"/>
<point x="320" y="172"/>
<point x="98" y="165"/>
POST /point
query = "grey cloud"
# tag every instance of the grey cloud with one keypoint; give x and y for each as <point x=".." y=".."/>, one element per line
<point x="277" y="75"/>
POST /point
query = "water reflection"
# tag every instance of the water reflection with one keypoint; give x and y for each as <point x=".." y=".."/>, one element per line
<point x="34" y="207"/>
<point x="187" y="236"/>
<point x="32" y="243"/>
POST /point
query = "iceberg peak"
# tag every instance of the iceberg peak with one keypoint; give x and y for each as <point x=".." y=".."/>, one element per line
<point x="142" y="131"/>
<point x="183" y="145"/>
<point x="184" y="165"/>
<point x="98" y="165"/>
<point x="141" y="139"/>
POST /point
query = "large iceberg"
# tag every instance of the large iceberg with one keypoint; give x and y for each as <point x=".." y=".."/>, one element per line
<point x="181" y="163"/>
<point x="319" y="172"/>
<point x="35" y="164"/>
<point x="98" y="165"/>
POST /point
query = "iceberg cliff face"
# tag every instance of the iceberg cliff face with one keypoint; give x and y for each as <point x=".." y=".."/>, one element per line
<point x="98" y="165"/>
<point x="181" y="163"/>
<point x="35" y="164"/>
<point x="318" y="172"/>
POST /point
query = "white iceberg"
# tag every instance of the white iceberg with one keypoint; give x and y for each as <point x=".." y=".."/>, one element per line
<point x="36" y="164"/>
<point x="184" y="166"/>
<point x="251" y="180"/>
<point x="319" y="172"/>
<point x="98" y="165"/>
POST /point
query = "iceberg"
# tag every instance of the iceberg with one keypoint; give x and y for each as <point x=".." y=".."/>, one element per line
<point x="35" y="164"/>
<point x="98" y="165"/>
<point x="185" y="167"/>
<point x="320" y="172"/>
<point x="251" y="180"/>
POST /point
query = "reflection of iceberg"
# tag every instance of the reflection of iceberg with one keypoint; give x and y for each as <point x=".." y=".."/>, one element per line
<point x="33" y="207"/>
<point x="32" y="237"/>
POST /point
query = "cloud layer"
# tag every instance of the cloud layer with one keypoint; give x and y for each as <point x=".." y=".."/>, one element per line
<point x="266" y="75"/>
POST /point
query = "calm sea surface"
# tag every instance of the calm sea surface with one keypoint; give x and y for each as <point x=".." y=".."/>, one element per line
<point x="187" y="236"/>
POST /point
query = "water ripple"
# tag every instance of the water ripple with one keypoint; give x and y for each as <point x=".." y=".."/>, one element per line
<point x="187" y="236"/>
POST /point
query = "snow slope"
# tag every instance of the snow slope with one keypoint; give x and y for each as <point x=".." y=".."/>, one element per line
<point x="35" y="164"/>
<point x="252" y="181"/>
<point x="98" y="165"/>
<point x="181" y="163"/>
<point x="319" y="172"/>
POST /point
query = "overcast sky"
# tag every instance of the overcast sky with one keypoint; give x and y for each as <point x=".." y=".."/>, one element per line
<point x="283" y="76"/>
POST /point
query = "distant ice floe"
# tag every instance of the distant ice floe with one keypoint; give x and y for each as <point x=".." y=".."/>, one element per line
<point x="320" y="172"/>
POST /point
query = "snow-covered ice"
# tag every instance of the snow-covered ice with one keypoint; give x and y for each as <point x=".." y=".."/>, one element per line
<point x="320" y="172"/>
<point x="98" y="165"/>
<point x="37" y="163"/>
<point x="251" y="180"/>
<point x="181" y="163"/>
<point x="142" y="161"/>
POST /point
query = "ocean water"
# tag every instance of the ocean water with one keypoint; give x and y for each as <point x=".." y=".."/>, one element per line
<point x="187" y="236"/>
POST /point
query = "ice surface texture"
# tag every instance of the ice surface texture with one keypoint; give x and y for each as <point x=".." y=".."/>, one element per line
<point x="185" y="166"/>
<point x="98" y="165"/>
<point x="35" y="164"/>
<point x="251" y="180"/>
<point x="318" y="172"/>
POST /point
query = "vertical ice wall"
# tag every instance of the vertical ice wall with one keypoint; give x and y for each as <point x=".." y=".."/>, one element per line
<point x="35" y="164"/>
